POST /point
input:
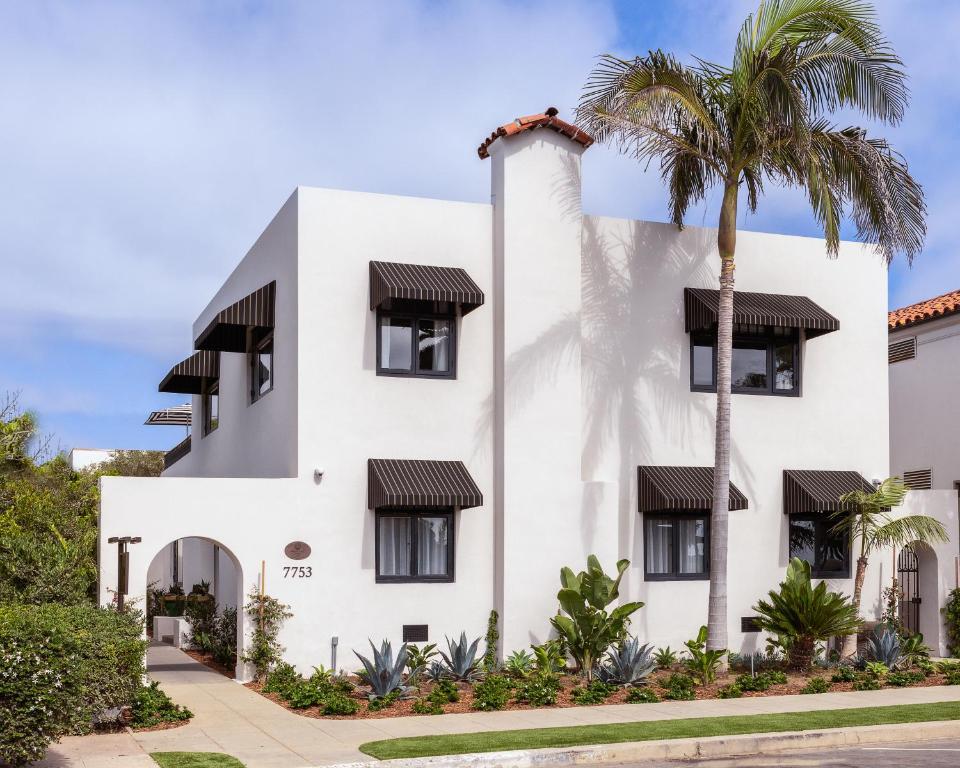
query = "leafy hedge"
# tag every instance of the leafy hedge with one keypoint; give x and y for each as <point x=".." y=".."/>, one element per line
<point x="61" y="668"/>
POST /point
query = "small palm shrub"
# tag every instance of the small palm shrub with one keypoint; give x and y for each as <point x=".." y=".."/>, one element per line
<point x="665" y="658"/>
<point x="877" y="670"/>
<point x="927" y="667"/>
<point x="951" y="674"/>
<point x="518" y="664"/>
<point x="802" y="615"/>
<point x="642" y="696"/>
<point x="731" y="691"/>
<point x="703" y="664"/>
<point x="816" y="685"/>
<point x="461" y="662"/>
<point x="913" y="649"/>
<point x="628" y="663"/>
<point x="384" y="674"/>
<point x="492" y="693"/>
<point x="594" y="692"/>
<point x="585" y="626"/>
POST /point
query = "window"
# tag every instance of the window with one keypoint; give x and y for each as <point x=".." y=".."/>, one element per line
<point x="416" y="343"/>
<point x="261" y="367"/>
<point x="211" y="408"/>
<point x="414" y="546"/>
<point x="827" y="553"/>
<point x="676" y="546"/>
<point x="765" y="361"/>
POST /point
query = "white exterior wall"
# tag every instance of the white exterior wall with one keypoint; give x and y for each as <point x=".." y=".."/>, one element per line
<point x="638" y="407"/>
<point x="924" y="417"/>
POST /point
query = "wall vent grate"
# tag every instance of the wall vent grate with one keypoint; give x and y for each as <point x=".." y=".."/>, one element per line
<point x="905" y="349"/>
<point x="918" y="479"/>
<point x="415" y="633"/>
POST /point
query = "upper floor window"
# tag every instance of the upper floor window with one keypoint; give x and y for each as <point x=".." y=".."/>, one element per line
<point x="414" y="545"/>
<point x="766" y="360"/>
<point x="211" y="407"/>
<point x="676" y="546"/>
<point x="812" y="539"/>
<point x="414" y="342"/>
<point x="261" y="366"/>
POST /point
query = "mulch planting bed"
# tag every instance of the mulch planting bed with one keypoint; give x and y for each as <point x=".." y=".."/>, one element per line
<point x="207" y="660"/>
<point x="404" y="707"/>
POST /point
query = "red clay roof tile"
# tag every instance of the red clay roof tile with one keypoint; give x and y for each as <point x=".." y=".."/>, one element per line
<point x="940" y="306"/>
<point x="547" y="119"/>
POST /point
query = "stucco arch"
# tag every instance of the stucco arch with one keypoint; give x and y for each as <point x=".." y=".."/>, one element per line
<point x="928" y="578"/>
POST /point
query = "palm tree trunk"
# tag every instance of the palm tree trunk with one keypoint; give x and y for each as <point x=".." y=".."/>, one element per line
<point x="726" y="244"/>
<point x="850" y="641"/>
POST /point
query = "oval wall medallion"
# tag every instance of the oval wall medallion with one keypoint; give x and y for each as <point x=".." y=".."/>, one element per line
<point x="297" y="550"/>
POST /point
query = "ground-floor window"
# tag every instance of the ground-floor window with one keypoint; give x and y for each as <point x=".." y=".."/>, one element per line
<point x="676" y="546"/>
<point x="415" y="545"/>
<point x="811" y="540"/>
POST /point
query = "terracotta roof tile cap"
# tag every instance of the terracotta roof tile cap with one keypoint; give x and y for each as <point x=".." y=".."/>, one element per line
<point x="939" y="306"/>
<point x="546" y="119"/>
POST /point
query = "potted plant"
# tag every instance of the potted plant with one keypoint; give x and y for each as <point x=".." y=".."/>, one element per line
<point x="174" y="601"/>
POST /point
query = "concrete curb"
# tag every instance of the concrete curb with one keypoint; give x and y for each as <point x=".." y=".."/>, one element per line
<point x="682" y="749"/>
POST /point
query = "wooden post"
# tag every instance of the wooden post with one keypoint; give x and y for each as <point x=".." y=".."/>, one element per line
<point x="263" y="590"/>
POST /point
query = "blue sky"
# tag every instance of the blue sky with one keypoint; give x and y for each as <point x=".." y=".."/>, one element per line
<point x="145" y="145"/>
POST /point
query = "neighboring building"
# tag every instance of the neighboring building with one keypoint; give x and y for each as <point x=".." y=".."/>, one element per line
<point x="85" y="458"/>
<point x="408" y="412"/>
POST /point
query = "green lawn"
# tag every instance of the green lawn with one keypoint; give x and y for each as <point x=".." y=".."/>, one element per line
<point x="195" y="760"/>
<point x="538" y="738"/>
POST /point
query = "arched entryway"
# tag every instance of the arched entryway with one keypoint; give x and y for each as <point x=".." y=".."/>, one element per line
<point x="197" y="580"/>
<point x="917" y="575"/>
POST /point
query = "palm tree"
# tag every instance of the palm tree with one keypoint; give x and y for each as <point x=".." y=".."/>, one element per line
<point x="866" y="517"/>
<point x="763" y="118"/>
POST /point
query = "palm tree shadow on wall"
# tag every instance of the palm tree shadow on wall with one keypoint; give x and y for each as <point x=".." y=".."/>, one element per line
<point x="635" y="373"/>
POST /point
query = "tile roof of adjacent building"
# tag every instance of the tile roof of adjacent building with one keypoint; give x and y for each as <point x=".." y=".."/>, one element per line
<point x="931" y="309"/>
<point x="546" y="119"/>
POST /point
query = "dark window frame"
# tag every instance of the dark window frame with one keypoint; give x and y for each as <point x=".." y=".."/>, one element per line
<point x="772" y="341"/>
<point x="415" y="312"/>
<point x="257" y="346"/>
<point x="413" y="514"/>
<point x="822" y="524"/>
<point x="210" y="389"/>
<point x="676" y="516"/>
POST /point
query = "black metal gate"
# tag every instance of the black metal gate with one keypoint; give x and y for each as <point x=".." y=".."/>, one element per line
<point x="908" y="574"/>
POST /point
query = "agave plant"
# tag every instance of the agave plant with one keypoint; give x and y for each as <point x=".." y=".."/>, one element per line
<point x="385" y="674"/>
<point x="801" y="615"/>
<point x="628" y="663"/>
<point x="461" y="662"/>
<point x="518" y="664"/>
<point x="883" y="646"/>
<point x="436" y="671"/>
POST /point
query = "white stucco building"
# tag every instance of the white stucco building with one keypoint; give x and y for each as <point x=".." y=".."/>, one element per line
<point x="408" y="412"/>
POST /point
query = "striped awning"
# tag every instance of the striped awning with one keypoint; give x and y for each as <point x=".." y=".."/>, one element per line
<point x="421" y="283"/>
<point x="819" y="490"/>
<point x="700" y="306"/>
<point x="187" y="376"/>
<point x="679" y="489"/>
<point x="228" y="331"/>
<point x="398" y="483"/>
<point x="177" y="416"/>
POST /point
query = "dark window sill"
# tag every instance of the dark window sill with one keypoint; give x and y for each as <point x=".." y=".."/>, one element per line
<point x="415" y="579"/>
<point x="676" y="577"/>
<point x="761" y="392"/>
<point x="418" y="375"/>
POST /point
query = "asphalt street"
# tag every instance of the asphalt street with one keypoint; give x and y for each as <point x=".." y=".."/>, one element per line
<point x="917" y="754"/>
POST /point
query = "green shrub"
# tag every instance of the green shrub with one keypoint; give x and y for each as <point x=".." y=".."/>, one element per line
<point x="384" y="702"/>
<point x="491" y="640"/>
<point x="337" y="703"/>
<point x="427" y="707"/>
<point x="877" y="670"/>
<point x="308" y="693"/>
<point x="267" y="615"/>
<point x="867" y="684"/>
<point x="903" y="678"/>
<point x="665" y="657"/>
<point x="445" y="692"/>
<point x="491" y="693"/>
<point x="703" y="663"/>
<point x="595" y="692"/>
<point x="731" y="691"/>
<point x="642" y="696"/>
<point x="538" y="691"/>
<point x="282" y="679"/>
<point x="679" y="687"/>
<point x="61" y="668"/>
<point x="816" y="685"/>
<point x="761" y="681"/>
<point x="151" y="707"/>
<point x="951" y="619"/>
<point x="927" y="667"/>
<point x="518" y="664"/>
<point x="952" y="676"/>
<point x="844" y="674"/>
<point x="776" y="676"/>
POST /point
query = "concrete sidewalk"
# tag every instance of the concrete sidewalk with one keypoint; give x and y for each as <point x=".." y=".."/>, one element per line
<point x="232" y="719"/>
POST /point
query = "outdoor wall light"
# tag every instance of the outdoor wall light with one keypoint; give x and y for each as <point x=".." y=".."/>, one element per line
<point x="318" y="476"/>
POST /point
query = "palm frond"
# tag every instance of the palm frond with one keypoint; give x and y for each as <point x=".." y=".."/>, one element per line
<point x="899" y="531"/>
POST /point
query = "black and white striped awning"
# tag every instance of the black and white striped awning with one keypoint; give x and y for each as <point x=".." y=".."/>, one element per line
<point x="177" y="416"/>
<point x="700" y="306"/>
<point x="819" y="490"/>
<point x="187" y="377"/>
<point x="417" y="282"/>
<point x="399" y="483"/>
<point x="679" y="489"/>
<point x="229" y="330"/>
